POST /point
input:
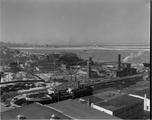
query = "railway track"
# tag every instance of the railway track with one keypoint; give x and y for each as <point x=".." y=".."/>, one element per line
<point x="21" y="81"/>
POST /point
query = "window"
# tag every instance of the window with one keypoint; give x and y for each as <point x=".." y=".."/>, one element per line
<point x="147" y="107"/>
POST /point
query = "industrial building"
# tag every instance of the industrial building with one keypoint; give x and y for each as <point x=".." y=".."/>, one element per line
<point x="77" y="82"/>
<point x="116" y="103"/>
<point x="102" y="96"/>
<point x="78" y="110"/>
<point x="145" y="96"/>
<point x="125" y="107"/>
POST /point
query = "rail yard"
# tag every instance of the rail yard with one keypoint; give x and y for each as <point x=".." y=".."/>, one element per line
<point x="52" y="78"/>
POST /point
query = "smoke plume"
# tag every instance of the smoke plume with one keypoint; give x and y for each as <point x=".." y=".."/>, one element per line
<point x="132" y="56"/>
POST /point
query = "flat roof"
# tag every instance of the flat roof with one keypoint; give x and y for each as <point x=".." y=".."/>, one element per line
<point x="142" y="93"/>
<point x="78" y="110"/>
<point x="108" y="95"/>
<point x="119" y="102"/>
<point x="93" y="99"/>
<point x="32" y="111"/>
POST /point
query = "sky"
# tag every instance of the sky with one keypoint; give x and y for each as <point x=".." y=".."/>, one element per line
<point x="75" y="22"/>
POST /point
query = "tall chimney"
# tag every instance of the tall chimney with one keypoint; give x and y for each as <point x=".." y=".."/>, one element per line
<point x="119" y="61"/>
<point x="78" y="84"/>
<point x="89" y="67"/>
<point x="89" y="102"/>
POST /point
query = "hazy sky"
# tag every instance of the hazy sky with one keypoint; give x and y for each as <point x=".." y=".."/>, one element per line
<point x="75" y="21"/>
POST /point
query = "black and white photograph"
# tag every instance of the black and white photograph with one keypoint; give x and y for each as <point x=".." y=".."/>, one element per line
<point x="75" y="59"/>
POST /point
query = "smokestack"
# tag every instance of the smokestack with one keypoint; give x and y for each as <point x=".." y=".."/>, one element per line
<point x="78" y="84"/>
<point x="119" y="61"/>
<point x="89" y="67"/>
<point x="89" y="102"/>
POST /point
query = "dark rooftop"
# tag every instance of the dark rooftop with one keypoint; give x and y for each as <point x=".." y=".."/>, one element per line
<point x="32" y="111"/>
<point x="79" y="110"/>
<point x="119" y="102"/>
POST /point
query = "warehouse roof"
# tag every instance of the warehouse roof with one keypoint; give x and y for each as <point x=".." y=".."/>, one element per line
<point x="119" y="102"/>
<point x="79" y="110"/>
<point x="32" y="111"/>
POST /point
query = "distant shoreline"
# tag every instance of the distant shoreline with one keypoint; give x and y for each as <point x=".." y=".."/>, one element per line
<point x="82" y="48"/>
